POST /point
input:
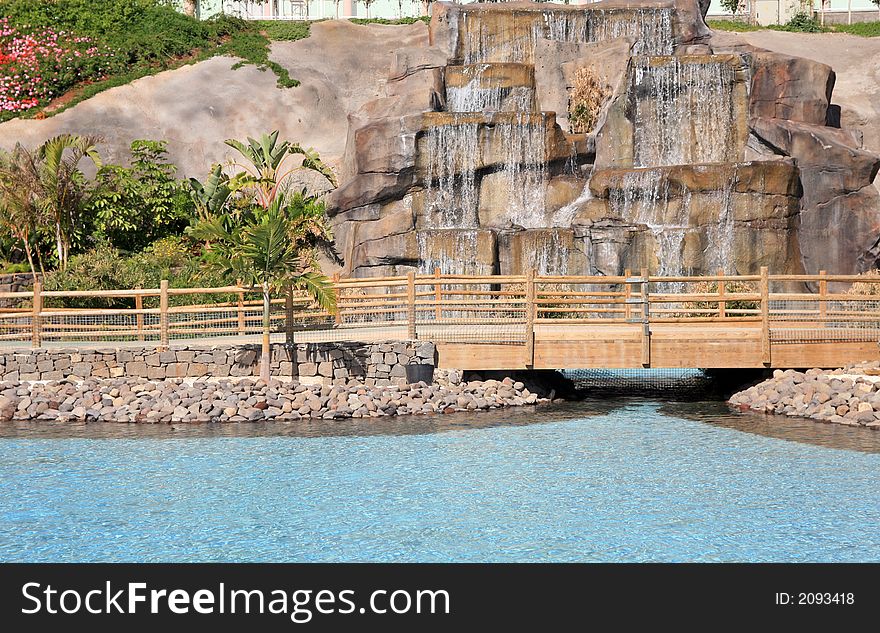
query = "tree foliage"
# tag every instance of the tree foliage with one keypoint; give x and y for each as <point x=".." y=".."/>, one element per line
<point x="139" y="204"/>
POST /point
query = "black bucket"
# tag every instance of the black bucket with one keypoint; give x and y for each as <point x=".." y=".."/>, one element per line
<point x="420" y="373"/>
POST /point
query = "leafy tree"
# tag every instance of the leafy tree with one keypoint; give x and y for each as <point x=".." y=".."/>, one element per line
<point x="139" y="204"/>
<point x="367" y="4"/>
<point x="50" y="182"/>
<point x="19" y="211"/>
<point x="258" y="231"/>
<point x="256" y="247"/>
<point x="211" y="197"/>
<point x="732" y="6"/>
<point x="267" y="173"/>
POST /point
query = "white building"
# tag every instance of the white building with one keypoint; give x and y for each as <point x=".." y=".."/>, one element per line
<point x="765" y="12"/>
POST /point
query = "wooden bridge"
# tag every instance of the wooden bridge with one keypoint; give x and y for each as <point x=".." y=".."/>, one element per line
<point x="498" y="322"/>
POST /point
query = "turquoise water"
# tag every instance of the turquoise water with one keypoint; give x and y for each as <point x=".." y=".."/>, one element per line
<point x="636" y="481"/>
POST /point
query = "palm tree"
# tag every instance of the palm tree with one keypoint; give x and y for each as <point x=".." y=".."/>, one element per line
<point x="19" y="214"/>
<point x="267" y="174"/>
<point x="258" y="232"/>
<point x="264" y="247"/>
<point x="58" y="187"/>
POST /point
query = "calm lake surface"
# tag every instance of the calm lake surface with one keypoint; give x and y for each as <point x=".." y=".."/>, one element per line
<point x="608" y="480"/>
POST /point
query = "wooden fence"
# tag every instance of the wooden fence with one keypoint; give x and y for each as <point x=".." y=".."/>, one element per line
<point x="499" y="309"/>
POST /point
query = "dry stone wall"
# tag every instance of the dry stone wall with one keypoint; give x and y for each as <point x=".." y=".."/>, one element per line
<point x="15" y="282"/>
<point x="378" y="364"/>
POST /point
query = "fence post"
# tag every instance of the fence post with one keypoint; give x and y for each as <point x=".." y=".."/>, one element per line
<point x="338" y="316"/>
<point x="722" y="305"/>
<point x="531" y="313"/>
<point x="36" y="326"/>
<point x="411" y="305"/>
<point x="646" y="321"/>
<point x="139" y="318"/>
<point x="765" y="316"/>
<point x="438" y="294"/>
<point x="823" y="294"/>
<point x="288" y="315"/>
<point x="627" y="295"/>
<point x="240" y="309"/>
<point x="163" y="314"/>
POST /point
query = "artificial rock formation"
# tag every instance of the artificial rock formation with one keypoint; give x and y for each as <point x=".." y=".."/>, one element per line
<point x="700" y="157"/>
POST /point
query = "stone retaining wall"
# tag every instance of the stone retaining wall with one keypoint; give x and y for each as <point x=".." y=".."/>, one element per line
<point x="15" y="282"/>
<point x="311" y="363"/>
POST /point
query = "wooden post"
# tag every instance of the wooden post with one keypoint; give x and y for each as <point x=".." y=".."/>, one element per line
<point x="36" y="326"/>
<point x="531" y="313"/>
<point x="338" y="316"/>
<point x="163" y="314"/>
<point x="823" y="294"/>
<point x="288" y="315"/>
<point x="411" y="305"/>
<point x="240" y="309"/>
<point x="438" y="294"/>
<point x="646" y="321"/>
<point x="722" y="305"/>
<point x="139" y="318"/>
<point x="765" y="316"/>
<point x="627" y="295"/>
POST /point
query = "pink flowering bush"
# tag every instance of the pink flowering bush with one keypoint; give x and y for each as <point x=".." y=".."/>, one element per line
<point x="37" y="65"/>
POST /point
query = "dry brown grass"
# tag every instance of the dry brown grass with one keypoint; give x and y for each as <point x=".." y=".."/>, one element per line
<point x="865" y="287"/>
<point x="586" y="99"/>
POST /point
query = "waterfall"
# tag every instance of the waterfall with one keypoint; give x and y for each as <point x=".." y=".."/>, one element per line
<point x="643" y="198"/>
<point x="720" y="243"/>
<point x="474" y="96"/>
<point x="514" y="41"/>
<point x="547" y="251"/>
<point x="454" y="252"/>
<point x="524" y="144"/>
<point x="683" y="111"/>
<point x="451" y="192"/>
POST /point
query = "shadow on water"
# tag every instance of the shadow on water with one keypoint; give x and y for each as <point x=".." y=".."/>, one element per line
<point x="780" y="427"/>
<point x="392" y="425"/>
<point x="712" y="412"/>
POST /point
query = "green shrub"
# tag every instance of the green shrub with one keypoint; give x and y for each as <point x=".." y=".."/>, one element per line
<point x="107" y="268"/>
<point x="800" y="22"/>
<point x="8" y="269"/>
<point x="733" y="25"/>
<point x="864" y="29"/>
<point x="136" y="205"/>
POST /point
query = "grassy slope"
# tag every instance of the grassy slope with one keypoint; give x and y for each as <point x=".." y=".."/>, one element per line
<point x="153" y="38"/>
<point x="863" y="29"/>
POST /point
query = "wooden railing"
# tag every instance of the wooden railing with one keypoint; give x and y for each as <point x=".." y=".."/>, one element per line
<point x="504" y="309"/>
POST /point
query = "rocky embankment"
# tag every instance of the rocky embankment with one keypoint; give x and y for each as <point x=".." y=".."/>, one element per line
<point x="850" y="395"/>
<point x="246" y="400"/>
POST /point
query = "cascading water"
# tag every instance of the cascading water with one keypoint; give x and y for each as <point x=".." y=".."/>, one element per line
<point x="451" y="192"/>
<point x="547" y="251"/>
<point x="448" y="250"/>
<point x="683" y="111"/>
<point x="524" y="142"/>
<point x="643" y="197"/>
<point x="474" y="96"/>
<point x="720" y="244"/>
<point x="650" y="27"/>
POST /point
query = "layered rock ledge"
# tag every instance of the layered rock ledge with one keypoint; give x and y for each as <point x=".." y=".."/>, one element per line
<point x="129" y="399"/>
<point x="850" y="395"/>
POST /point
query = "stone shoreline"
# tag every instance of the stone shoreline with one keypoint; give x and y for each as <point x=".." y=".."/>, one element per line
<point x="246" y="399"/>
<point x="850" y="395"/>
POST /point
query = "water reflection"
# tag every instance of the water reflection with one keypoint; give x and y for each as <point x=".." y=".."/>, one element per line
<point x="716" y="413"/>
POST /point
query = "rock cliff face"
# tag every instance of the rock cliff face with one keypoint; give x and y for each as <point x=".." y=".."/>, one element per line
<point x="694" y="157"/>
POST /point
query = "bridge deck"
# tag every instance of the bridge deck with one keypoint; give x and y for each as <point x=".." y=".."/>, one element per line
<point x="497" y="322"/>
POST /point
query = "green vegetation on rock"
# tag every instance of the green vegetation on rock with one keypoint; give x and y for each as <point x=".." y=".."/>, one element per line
<point x="799" y="23"/>
<point x="737" y="26"/>
<point x="145" y="37"/>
